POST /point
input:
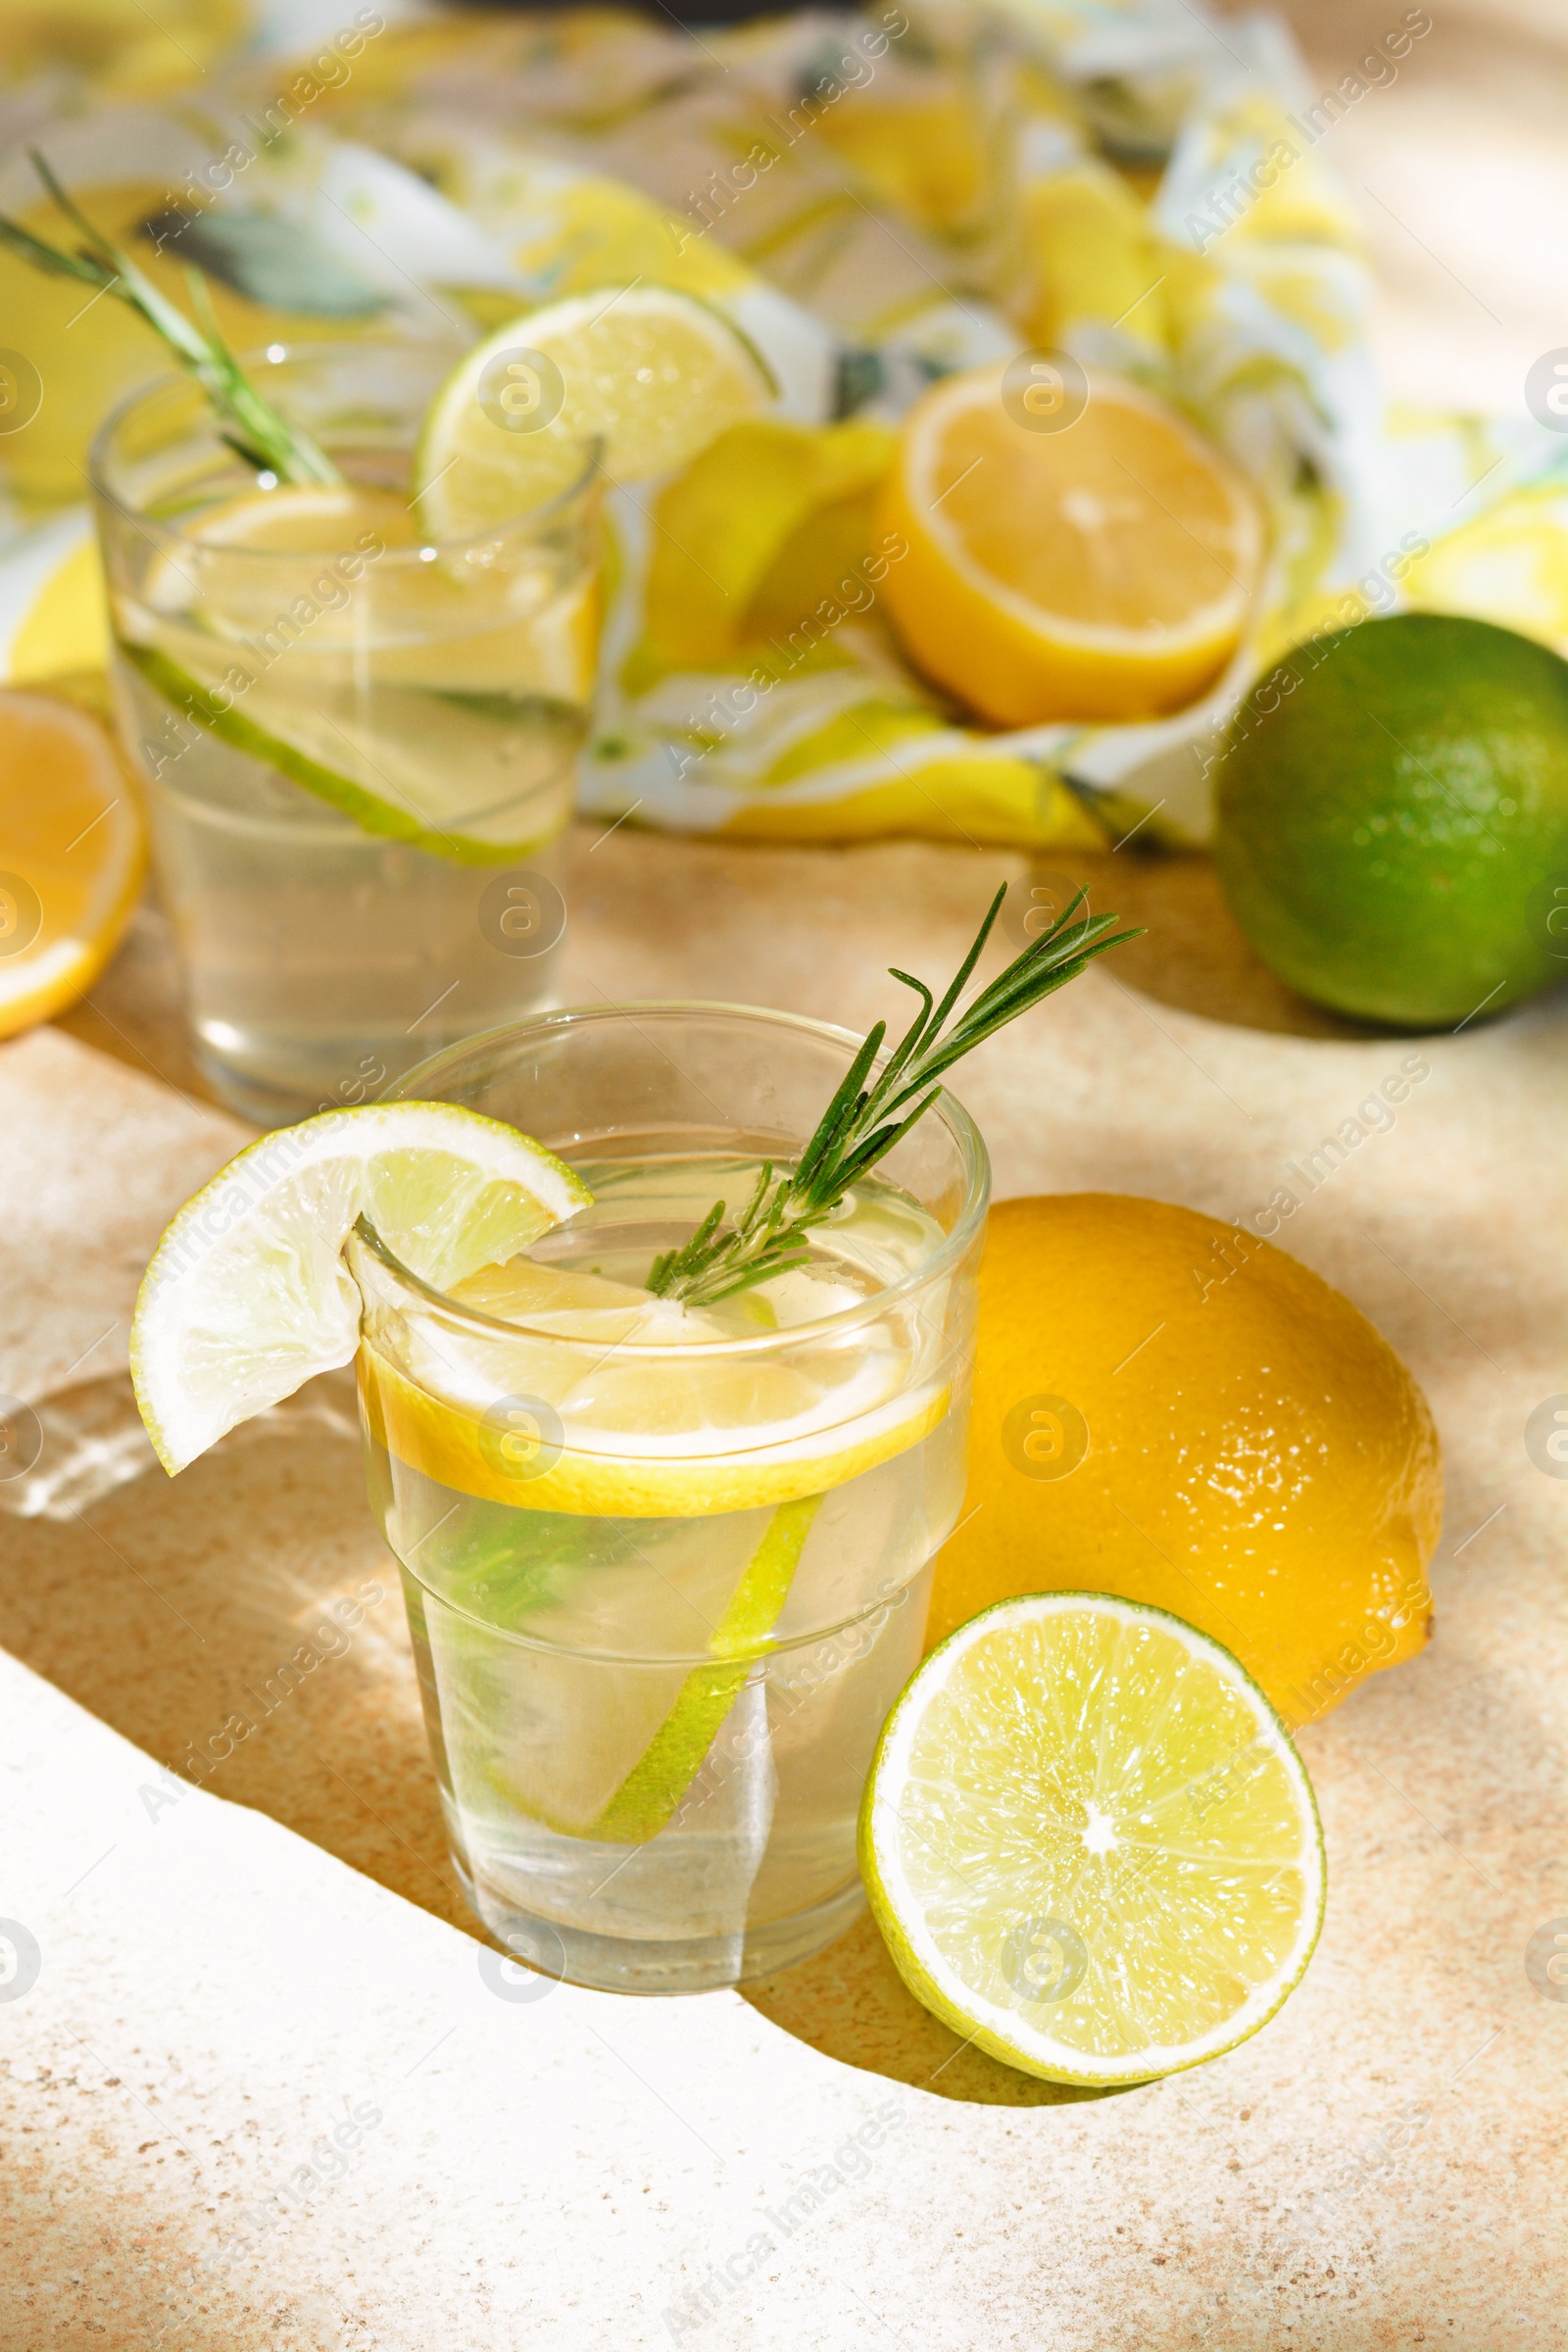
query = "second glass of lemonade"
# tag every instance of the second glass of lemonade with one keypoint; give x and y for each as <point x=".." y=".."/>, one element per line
<point x="668" y="1568"/>
<point x="356" y="746"/>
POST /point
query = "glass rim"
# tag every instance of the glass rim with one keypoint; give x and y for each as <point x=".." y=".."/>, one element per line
<point x="278" y="354"/>
<point x="974" y="1156"/>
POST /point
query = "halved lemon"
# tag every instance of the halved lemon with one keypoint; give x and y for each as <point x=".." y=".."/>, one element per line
<point x="247" y="1294"/>
<point x="1103" y="570"/>
<point x="1088" y="1841"/>
<point x="71" y="855"/>
<point x="652" y="375"/>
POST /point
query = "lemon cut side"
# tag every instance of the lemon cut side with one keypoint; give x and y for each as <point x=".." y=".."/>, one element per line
<point x="70" y="857"/>
<point x="1105" y="571"/>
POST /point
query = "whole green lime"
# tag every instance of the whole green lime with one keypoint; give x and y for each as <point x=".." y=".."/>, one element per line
<point x="1392" y="819"/>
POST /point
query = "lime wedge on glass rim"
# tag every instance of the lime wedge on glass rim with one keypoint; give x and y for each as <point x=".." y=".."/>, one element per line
<point x="650" y="373"/>
<point x="247" y="1294"/>
<point x="1089" y="1842"/>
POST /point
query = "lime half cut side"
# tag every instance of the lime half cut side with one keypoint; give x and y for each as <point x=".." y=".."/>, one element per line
<point x="247" y="1294"/>
<point x="1089" y="1842"/>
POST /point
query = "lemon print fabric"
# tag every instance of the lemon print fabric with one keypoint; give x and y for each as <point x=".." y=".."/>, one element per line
<point x="870" y="208"/>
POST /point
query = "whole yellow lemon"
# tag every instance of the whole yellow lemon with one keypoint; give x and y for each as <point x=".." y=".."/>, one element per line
<point x="1172" y="1410"/>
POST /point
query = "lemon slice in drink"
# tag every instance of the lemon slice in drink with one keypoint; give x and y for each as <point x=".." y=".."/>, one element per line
<point x="652" y="375"/>
<point x="247" y="1294"/>
<point x="652" y="1416"/>
<point x="71" y="855"/>
<point x="1089" y="1842"/>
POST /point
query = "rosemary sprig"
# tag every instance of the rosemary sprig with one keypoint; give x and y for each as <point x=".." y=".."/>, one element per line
<point x="253" y="429"/>
<point x="863" y="1121"/>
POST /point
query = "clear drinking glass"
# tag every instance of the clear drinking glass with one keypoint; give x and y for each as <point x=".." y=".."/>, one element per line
<point x="666" y="1574"/>
<point x="357" y="747"/>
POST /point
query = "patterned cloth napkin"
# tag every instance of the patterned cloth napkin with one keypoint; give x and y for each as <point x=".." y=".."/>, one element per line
<point x="877" y="198"/>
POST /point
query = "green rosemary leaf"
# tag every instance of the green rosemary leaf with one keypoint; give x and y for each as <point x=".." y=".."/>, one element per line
<point x="842" y="1107"/>
<point x="251" y="426"/>
<point x="44" y="257"/>
<point x="862" y="1124"/>
<point x="777" y="1262"/>
<point x="962" y="975"/>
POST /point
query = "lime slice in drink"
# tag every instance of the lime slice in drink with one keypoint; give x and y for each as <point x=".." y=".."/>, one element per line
<point x="652" y="375"/>
<point x="247" y="1294"/>
<point x="1088" y="1841"/>
<point x="408" y="776"/>
<point x="672" y="1753"/>
<point x="435" y="704"/>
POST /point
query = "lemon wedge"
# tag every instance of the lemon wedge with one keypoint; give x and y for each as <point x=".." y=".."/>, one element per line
<point x="71" y="855"/>
<point x="1101" y="571"/>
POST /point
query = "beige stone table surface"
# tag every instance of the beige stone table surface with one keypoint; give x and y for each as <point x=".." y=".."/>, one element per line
<point x="224" y="1975"/>
<point x="1382" y="2167"/>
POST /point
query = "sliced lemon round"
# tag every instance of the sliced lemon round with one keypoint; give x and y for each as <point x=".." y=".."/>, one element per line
<point x="652" y="375"/>
<point x="679" y="1440"/>
<point x="1103" y="570"/>
<point x="1088" y="1841"/>
<point x="71" y="855"/>
<point x="247" y="1294"/>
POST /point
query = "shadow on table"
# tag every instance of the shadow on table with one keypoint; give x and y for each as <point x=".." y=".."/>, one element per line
<point x="253" y="1590"/>
<point x="852" y="2004"/>
<point x="1194" y="955"/>
<point x="242" y="1624"/>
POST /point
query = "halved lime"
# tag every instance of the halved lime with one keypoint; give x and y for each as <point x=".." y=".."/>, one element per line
<point x="652" y="375"/>
<point x="247" y="1294"/>
<point x="1088" y="1841"/>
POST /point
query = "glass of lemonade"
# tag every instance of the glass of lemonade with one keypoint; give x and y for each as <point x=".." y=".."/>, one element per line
<point x="357" y="747"/>
<point x="668" y="1568"/>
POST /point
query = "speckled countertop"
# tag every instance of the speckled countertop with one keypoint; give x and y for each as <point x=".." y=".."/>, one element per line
<point x="1381" y="2167"/>
<point x="264" y="2087"/>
